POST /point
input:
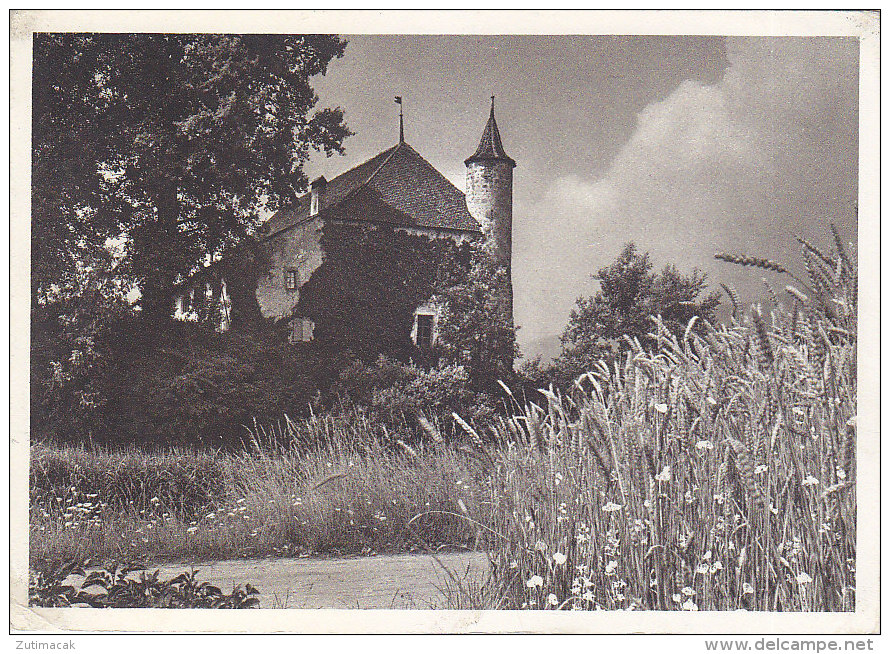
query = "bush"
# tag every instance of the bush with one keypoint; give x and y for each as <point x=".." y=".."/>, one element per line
<point x="191" y="385"/>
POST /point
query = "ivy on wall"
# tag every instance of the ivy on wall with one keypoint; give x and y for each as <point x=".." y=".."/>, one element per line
<point x="373" y="277"/>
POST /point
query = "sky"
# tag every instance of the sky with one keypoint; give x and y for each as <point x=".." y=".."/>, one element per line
<point x="685" y="145"/>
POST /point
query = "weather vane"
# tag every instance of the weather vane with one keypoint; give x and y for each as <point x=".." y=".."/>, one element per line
<point x="401" y="120"/>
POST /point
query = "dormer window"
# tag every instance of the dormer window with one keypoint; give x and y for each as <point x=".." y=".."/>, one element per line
<point x="316" y="195"/>
<point x="291" y="279"/>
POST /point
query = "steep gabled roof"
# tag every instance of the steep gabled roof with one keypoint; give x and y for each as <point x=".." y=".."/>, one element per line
<point x="402" y="179"/>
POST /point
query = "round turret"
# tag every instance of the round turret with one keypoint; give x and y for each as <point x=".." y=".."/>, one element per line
<point x="490" y="197"/>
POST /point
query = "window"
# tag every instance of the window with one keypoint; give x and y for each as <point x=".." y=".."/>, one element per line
<point x="291" y="279"/>
<point x="424" y="331"/>
<point x="302" y="330"/>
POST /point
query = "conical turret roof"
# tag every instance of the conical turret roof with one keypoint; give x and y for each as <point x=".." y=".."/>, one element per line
<point x="490" y="147"/>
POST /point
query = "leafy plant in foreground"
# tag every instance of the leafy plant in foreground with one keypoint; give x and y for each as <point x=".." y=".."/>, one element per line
<point x="114" y="587"/>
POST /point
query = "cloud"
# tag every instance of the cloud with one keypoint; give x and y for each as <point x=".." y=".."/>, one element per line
<point x="740" y="165"/>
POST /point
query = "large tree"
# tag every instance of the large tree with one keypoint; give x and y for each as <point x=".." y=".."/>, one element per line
<point x="173" y="143"/>
<point x="630" y="295"/>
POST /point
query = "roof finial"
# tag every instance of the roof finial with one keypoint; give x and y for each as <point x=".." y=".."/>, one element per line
<point x="492" y="106"/>
<point x="401" y="120"/>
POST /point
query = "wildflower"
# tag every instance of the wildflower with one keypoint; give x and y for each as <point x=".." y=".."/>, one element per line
<point x="611" y="566"/>
<point x="514" y="564"/>
<point x="588" y="596"/>
<point x="540" y="546"/>
<point x="747" y="588"/>
<point x="664" y="475"/>
<point x="192" y="529"/>
<point x="536" y="581"/>
<point x="610" y="507"/>
<point x="689" y="592"/>
<point x="661" y="407"/>
<point x="712" y="401"/>
<point x="760" y="469"/>
<point x="717" y="566"/>
<point x="702" y="569"/>
<point x="804" y="578"/>
<point x="676" y="597"/>
<point x="810" y="481"/>
<point x="689" y="605"/>
<point x="211" y="516"/>
<point x="552" y="600"/>
<point x="559" y="558"/>
<point x="704" y="445"/>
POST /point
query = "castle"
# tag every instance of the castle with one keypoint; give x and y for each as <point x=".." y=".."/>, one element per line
<point x="397" y="189"/>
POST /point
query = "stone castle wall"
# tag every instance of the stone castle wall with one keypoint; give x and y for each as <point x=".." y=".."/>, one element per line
<point x="297" y="248"/>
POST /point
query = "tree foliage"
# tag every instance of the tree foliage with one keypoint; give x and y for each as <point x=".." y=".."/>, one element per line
<point x="630" y="295"/>
<point x="172" y="142"/>
<point x="475" y="330"/>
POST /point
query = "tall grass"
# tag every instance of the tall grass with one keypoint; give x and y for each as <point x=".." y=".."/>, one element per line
<point x="348" y="493"/>
<point x="711" y="472"/>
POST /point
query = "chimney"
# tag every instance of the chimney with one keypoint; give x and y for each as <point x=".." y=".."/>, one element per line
<point x="317" y="191"/>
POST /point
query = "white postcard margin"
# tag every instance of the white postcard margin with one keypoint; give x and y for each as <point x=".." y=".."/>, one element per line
<point x="861" y="24"/>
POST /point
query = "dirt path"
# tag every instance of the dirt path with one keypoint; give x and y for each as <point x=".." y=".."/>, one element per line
<point x="406" y="581"/>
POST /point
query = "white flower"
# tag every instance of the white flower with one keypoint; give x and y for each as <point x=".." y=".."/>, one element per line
<point x="664" y="475"/>
<point x="676" y="597"/>
<point x="702" y="569"/>
<point x="535" y="581"/>
<point x="747" y="588"/>
<point x="552" y="600"/>
<point x="804" y="578"/>
<point x="609" y="507"/>
<point x="712" y="401"/>
<point x="559" y="558"/>
<point x="611" y="566"/>
<point x="514" y="565"/>
<point x="689" y="592"/>
<point x="192" y="530"/>
<point x="689" y="605"/>
<point x="810" y="481"/>
<point x="704" y="445"/>
<point x="760" y="469"/>
<point x="540" y="546"/>
<point x="716" y="566"/>
<point x="661" y="408"/>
